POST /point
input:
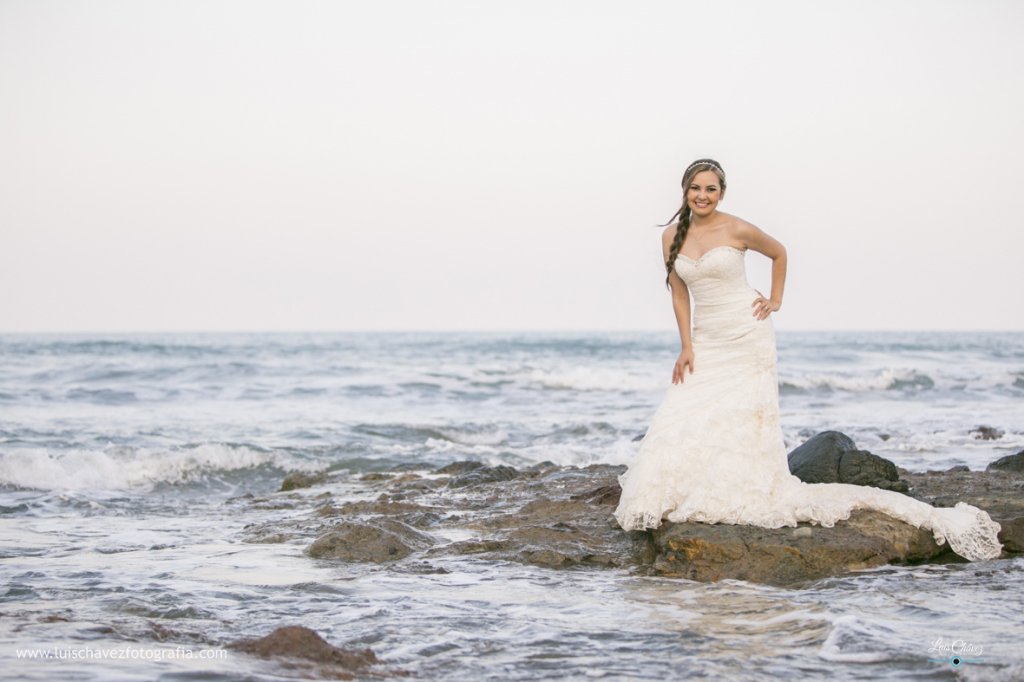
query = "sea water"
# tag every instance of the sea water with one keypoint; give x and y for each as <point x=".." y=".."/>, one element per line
<point x="120" y="456"/>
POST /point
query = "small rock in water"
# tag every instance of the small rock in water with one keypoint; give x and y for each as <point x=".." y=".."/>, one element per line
<point x="299" y="647"/>
<point x="959" y="468"/>
<point x="484" y="475"/>
<point x="294" y="481"/>
<point x="383" y="540"/>
<point x="987" y="433"/>
<point x="639" y="438"/>
<point x="459" y="468"/>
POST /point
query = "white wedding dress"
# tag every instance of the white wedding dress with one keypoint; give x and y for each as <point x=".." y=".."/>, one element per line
<point x="714" y="451"/>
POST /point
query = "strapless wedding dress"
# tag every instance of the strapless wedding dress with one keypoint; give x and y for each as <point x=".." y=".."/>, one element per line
<point x="714" y="451"/>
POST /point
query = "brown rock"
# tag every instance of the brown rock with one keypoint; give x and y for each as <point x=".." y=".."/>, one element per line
<point x="378" y="541"/>
<point x="788" y="556"/>
<point x="293" y="481"/>
<point x="299" y="647"/>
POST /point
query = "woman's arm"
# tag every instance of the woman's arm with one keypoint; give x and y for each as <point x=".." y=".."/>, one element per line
<point x="681" y="306"/>
<point x="754" y="238"/>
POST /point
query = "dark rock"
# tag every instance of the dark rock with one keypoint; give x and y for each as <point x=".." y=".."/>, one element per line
<point x="788" y="556"/>
<point x="987" y="433"/>
<point x="557" y="534"/>
<point x="293" y="481"/>
<point x="817" y="460"/>
<point x="1013" y="463"/>
<point x="606" y="494"/>
<point x="484" y="475"/>
<point x="959" y="468"/>
<point x="459" y="468"/>
<point x="858" y="467"/>
<point x="638" y="438"/>
<point x="299" y="647"/>
<point x="378" y="541"/>
<point x="832" y="457"/>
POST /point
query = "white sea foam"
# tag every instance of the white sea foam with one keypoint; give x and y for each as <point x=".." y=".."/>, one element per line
<point x="595" y="379"/>
<point x="124" y="468"/>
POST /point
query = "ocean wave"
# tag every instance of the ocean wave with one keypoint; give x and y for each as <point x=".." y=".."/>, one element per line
<point x="594" y="379"/>
<point x="126" y="468"/>
<point x="886" y="379"/>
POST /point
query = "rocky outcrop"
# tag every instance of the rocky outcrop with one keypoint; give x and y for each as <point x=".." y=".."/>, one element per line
<point x="787" y="556"/>
<point x="561" y="517"/>
<point x="832" y="457"/>
<point x="298" y="648"/>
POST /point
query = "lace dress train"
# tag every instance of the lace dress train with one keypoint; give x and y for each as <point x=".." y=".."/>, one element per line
<point x="714" y="451"/>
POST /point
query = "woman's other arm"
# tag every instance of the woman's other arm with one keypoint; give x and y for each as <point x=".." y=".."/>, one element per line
<point x="754" y="238"/>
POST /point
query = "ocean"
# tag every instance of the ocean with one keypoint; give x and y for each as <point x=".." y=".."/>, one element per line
<point x="120" y="455"/>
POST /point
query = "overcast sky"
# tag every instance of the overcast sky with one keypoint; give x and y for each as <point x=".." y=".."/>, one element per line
<point x="255" y="166"/>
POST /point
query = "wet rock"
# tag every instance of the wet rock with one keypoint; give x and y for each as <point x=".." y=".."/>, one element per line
<point x="459" y="468"/>
<point x="606" y="494"/>
<point x="1014" y="463"/>
<point x="295" y="646"/>
<point x="639" y="437"/>
<point x="558" y="534"/>
<point x="484" y="475"/>
<point x="959" y="468"/>
<point x="293" y="481"/>
<point x="787" y="556"/>
<point x="832" y="457"/>
<point x="859" y="467"/>
<point x="987" y="433"/>
<point x="377" y="541"/>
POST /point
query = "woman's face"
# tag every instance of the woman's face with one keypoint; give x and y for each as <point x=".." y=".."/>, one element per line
<point x="704" y="193"/>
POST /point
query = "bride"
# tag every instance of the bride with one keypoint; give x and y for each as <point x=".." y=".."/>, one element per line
<point x="714" y="451"/>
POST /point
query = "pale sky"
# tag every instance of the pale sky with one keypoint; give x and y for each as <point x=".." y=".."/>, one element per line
<point x="306" y="166"/>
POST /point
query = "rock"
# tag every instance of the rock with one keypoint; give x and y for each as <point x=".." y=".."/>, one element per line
<point x="832" y="457"/>
<point x="558" y="534"/>
<point x="639" y="437"/>
<point x="293" y="481"/>
<point x="459" y="468"/>
<point x="959" y="468"/>
<point x="378" y="541"/>
<point x="484" y="475"/>
<point x="299" y="647"/>
<point x="1014" y="463"/>
<point x="787" y="556"/>
<point x="606" y="494"/>
<point x="858" y="467"/>
<point x="987" y="433"/>
<point x="817" y="460"/>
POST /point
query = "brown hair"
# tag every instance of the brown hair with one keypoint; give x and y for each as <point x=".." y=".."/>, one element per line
<point x="684" y="211"/>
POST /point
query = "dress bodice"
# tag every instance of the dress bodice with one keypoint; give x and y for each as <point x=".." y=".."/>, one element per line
<point x="721" y="294"/>
<point x="718" y="277"/>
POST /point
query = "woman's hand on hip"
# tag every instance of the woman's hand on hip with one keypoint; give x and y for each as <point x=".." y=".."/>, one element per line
<point x="685" y="360"/>
<point x="763" y="307"/>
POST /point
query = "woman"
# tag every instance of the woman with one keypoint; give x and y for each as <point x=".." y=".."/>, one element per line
<point x="714" y="451"/>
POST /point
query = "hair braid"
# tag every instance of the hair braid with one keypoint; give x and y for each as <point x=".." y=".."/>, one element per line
<point x="684" y="214"/>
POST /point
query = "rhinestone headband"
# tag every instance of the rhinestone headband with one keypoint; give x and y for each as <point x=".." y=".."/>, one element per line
<point x="702" y="163"/>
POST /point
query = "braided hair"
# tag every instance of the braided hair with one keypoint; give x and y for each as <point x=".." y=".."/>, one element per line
<point x="684" y="213"/>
